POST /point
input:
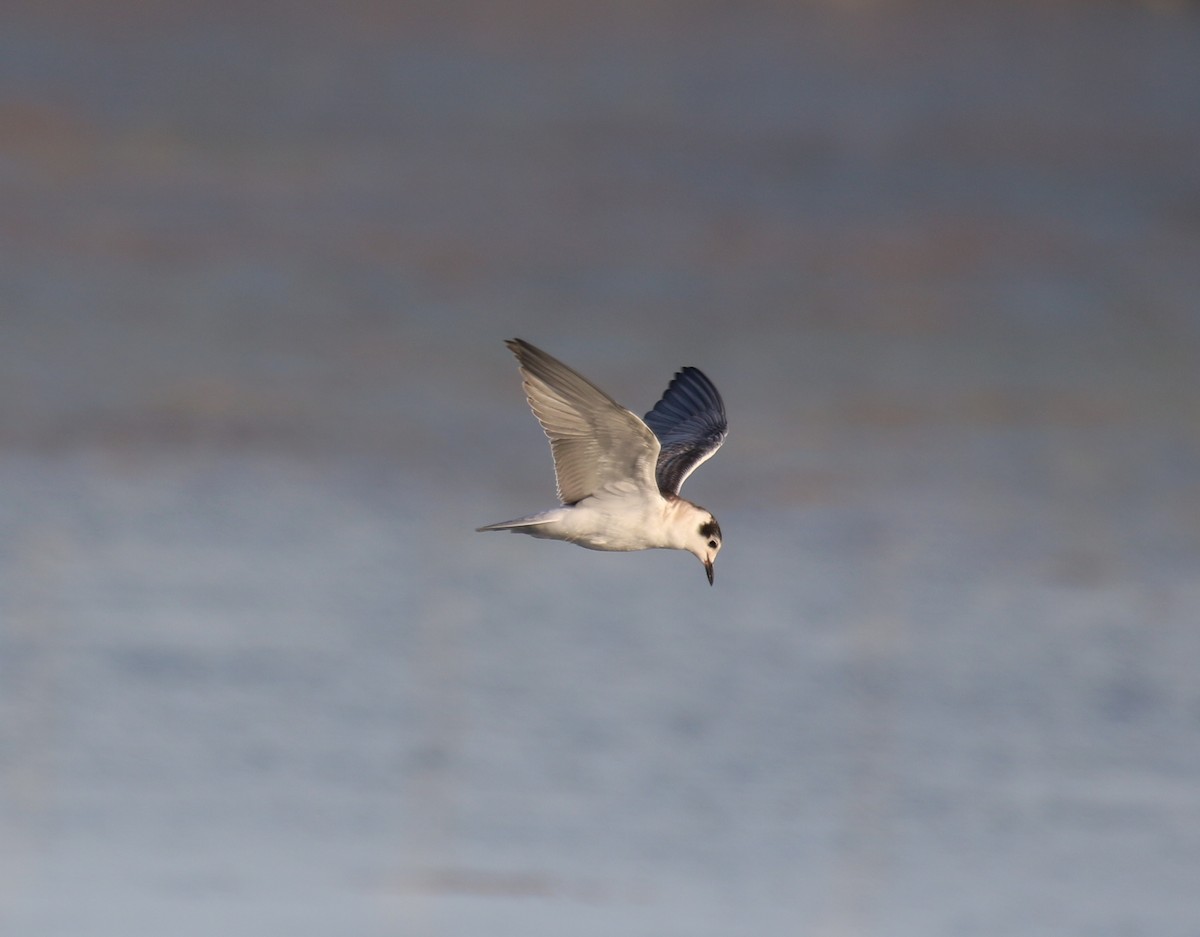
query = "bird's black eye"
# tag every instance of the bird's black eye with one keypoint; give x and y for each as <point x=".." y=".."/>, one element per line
<point x="712" y="544"/>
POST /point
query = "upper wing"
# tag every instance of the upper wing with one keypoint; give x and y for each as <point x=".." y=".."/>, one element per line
<point x="595" y="441"/>
<point x="690" y="423"/>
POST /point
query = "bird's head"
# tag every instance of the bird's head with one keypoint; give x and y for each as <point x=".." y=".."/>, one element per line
<point x="705" y="542"/>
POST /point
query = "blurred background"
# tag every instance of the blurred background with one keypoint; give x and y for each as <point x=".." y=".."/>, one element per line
<point x="258" y="675"/>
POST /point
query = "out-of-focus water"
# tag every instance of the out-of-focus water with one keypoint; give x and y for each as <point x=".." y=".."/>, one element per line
<point x="258" y="675"/>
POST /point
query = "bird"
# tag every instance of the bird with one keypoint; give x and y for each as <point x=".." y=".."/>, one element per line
<point x="618" y="476"/>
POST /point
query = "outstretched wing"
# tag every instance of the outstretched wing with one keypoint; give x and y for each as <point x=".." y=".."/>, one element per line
<point x="595" y="441"/>
<point x="690" y="424"/>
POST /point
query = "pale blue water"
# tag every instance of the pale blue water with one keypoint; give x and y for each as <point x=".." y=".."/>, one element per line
<point x="258" y="675"/>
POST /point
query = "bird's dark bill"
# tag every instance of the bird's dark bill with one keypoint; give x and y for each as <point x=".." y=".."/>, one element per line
<point x="708" y="568"/>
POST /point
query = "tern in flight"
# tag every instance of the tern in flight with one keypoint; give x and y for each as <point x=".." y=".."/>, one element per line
<point x="619" y="476"/>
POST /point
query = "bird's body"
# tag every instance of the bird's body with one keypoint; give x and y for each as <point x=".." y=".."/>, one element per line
<point x="622" y="518"/>
<point x="619" y="476"/>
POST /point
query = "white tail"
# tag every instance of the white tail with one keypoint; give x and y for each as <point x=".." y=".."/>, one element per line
<point x="521" y="524"/>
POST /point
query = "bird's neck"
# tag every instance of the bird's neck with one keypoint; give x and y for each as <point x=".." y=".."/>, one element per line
<point x="682" y="517"/>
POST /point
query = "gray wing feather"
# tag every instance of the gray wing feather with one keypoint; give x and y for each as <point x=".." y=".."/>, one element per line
<point x="595" y="441"/>
<point x="690" y="424"/>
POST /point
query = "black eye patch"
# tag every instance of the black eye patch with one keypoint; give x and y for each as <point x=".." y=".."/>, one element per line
<point x="710" y="529"/>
